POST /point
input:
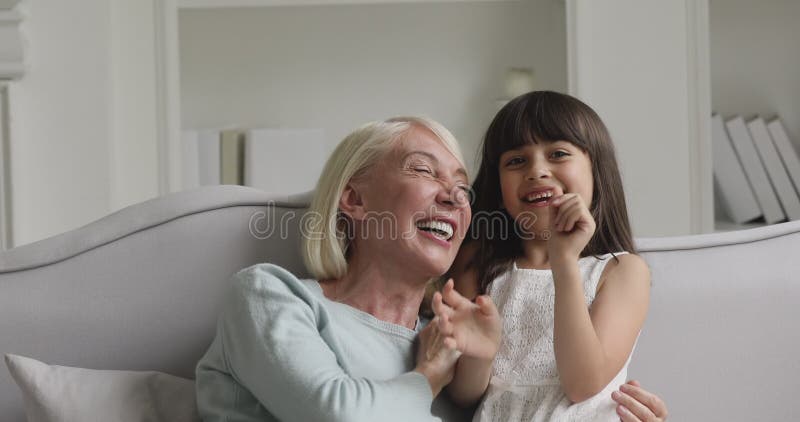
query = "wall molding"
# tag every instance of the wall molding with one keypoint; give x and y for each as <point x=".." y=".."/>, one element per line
<point x="206" y="4"/>
<point x="168" y="109"/>
<point x="699" y="94"/>
<point x="12" y="58"/>
<point x="6" y="235"/>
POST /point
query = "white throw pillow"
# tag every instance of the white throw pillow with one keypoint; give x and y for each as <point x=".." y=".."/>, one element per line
<point x="61" y="393"/>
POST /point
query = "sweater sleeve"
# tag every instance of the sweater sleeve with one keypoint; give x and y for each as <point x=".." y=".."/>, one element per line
<point x="276" y="345"/>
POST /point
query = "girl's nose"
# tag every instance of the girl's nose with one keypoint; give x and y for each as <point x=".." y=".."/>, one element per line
<point x="538" y="171"/>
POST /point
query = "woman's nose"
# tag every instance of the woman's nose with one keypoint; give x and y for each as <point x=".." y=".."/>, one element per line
<point x="452" y="196"/>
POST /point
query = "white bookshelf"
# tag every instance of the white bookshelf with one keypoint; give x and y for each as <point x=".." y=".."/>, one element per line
<point x="754" y="67"/>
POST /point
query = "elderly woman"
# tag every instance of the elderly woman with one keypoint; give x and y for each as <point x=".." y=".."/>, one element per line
<point x="391" y="214"/>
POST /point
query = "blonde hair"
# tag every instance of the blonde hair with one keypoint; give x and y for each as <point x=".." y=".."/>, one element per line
<point x="325" y="243"/>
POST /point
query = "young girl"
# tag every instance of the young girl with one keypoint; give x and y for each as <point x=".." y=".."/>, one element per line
<point x="552" y="248"/>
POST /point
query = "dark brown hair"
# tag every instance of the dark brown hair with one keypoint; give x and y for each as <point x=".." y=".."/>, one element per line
<point x="528" y="119"/>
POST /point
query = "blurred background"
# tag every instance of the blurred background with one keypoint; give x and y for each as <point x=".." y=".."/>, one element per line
<point x="106" y="103"/>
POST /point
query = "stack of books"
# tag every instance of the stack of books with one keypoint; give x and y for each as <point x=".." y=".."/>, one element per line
<point x="756" y="170"/>
<point x="284" y="161"/>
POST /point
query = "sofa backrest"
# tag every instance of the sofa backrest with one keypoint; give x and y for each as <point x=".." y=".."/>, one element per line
<point x="721" y="341"/>
<point x="140" y="290"/>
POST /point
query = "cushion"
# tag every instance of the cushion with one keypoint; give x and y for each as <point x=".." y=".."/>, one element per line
<point x="60" y="393"/>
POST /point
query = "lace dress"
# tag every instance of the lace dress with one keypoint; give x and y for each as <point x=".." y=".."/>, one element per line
<point x="525" y="384"/>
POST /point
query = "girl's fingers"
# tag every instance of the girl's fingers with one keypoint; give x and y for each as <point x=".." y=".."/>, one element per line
<point x="564" y="211"/>
<point x="486" y="305"/>
<point x="570" y="223"/>
<point x="450" y="343"/>
<point x="568" y="215"/>
<point x="451" y="297"/>
<point x="560" y="200"/>
<point x="446" y="326"/>
<point x="437" y="305"/>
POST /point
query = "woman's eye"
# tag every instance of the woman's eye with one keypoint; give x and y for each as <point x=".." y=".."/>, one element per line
<point x="423" y="170"/>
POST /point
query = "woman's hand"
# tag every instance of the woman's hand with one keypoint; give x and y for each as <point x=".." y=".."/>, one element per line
<point x="436" y="357"/>
<point x="637" y="404"/>
<point x="571" y="226"/>
<point x="475" y="327"/>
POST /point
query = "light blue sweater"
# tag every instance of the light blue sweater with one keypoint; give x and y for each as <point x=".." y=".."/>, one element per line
<point x="285" y="352"/>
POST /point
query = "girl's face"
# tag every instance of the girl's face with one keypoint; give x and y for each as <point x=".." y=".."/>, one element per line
<point x="533" y="175"/>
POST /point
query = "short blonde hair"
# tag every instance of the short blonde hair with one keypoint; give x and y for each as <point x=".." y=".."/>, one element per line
<point x="325" y="243"/>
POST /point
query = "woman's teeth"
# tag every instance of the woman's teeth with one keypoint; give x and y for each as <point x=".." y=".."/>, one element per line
<point x="440" y="229"/>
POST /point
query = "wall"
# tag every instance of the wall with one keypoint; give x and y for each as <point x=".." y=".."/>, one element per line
<point x="754" y="60"/>
<point x="632" y="66"/>
<point x="335" y="67"/>
<point x="80" y="139"/>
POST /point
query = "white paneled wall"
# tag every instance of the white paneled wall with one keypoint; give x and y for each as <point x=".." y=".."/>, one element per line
<point x="336" y="67"/>
<point x="82" y="117"/>
<point x="636" y="62"/>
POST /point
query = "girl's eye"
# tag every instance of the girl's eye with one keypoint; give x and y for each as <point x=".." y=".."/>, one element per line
<point x="514" y="161"/>
<point x="560" y="154"/>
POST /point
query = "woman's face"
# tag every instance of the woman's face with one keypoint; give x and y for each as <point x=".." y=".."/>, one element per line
<point x="417" y="207"/>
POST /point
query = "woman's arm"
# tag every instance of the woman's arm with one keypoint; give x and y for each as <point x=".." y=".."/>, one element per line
<point x="592" y="346"/>
<point x="278" y="345"/>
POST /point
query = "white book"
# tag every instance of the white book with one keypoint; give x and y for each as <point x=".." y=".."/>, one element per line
<point x="786" y="150"/>
<point x="189" y="159"/>
<point x="284" y="161"/>
<point x="754" y="169"/>
<point x="775" y="170"/>
<point x="733" y="190"/>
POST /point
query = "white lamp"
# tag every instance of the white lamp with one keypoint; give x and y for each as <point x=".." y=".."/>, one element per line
<point x="519" y="80"/>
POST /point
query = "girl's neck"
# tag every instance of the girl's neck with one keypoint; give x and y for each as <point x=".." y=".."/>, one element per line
<point x="534" y="255"/>
<point x="384" y="293"/>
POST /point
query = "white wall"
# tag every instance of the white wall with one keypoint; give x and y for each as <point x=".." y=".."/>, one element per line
<point x="754" y="60"/>
<point x="133" y="146"/>
<point x="336" y="67"/>
<point x="80" y="142"/>
<point x="632" y="64"/>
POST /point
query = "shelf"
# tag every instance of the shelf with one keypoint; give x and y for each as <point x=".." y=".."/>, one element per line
<point x="728" y="226"/>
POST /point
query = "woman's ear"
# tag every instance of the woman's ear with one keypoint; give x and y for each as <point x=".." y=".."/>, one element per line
<point x="351" y="203"/>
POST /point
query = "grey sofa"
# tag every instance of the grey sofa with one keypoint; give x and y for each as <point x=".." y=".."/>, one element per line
<point x="140" y="290"/>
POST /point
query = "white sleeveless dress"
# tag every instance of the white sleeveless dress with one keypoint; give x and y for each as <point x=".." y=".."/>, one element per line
<point x="525" y="385"/>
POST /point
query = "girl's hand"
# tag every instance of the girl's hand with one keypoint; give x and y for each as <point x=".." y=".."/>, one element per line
<point x="475" y="327"/>
<point x="571" y="226"/>
<point x="436" y="357"/>
<point x="637" y="404"/>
